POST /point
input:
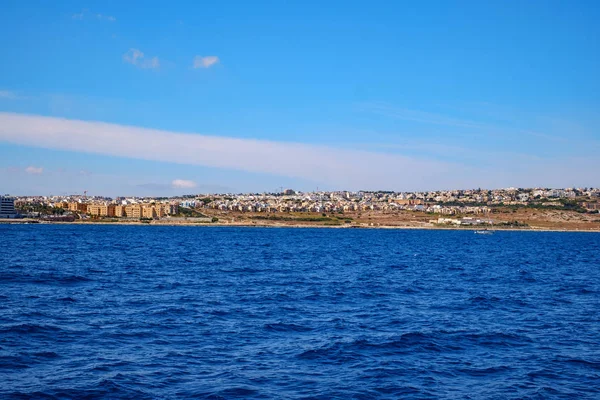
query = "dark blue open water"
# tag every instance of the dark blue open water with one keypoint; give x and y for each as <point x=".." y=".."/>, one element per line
<point x="167" y="312"/>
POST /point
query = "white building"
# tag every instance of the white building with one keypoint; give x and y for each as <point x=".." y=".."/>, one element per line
<point x="7" y="207"/>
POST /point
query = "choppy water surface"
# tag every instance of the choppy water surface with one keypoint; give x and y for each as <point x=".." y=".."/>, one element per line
<point x="165" y="312"/>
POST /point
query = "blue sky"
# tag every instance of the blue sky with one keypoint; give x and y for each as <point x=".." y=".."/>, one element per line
<point x="343" y="95"/>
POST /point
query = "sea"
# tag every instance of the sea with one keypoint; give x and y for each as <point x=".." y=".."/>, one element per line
<point x="158" y="312"/>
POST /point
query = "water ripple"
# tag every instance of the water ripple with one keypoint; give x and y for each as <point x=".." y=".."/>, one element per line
<point x="220" y="313"/>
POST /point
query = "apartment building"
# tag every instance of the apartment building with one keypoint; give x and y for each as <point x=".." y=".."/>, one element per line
<point x="79" y="207"/>
<point x="119" y="211"/>
<point x="148" y="211"/>
<point x="133" y="211"/>
<point x="102" y="210"/>
<point x="7" y="207"/>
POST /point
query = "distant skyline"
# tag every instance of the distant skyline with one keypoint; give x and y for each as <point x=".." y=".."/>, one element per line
<point x="125" y="99"/>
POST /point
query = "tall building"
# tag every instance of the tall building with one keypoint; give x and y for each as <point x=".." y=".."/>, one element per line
<point x="7" y="207"/>
<point x="76" y="206"/>
<point x="119" y="211"/>
<point x="133" y="211"/>
<point x="102" y="210"/>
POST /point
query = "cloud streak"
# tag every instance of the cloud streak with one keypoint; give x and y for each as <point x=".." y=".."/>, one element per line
<point x="85" y="12"/>
<point x="420" y="116"/>
<point x="7" y="94"/>
<point x="137" y="58"/>
<point x="31" y="170"/>
<point x="183" y="184"/>
<point x="205" y="62"/>
<point x="334" y="167"/>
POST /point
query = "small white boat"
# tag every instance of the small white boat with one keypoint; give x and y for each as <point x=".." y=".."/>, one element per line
<point x="484" y="232"/>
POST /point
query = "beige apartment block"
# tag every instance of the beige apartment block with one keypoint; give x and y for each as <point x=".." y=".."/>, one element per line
<point x="119" y="211"/>
<point x="64" y="205"/>
<point x="81" y="207"/>
<point x="93" y="209"/>
<point x="103" y="210"/>
<point x="133" y="211"/>
<point x="161" y="210"/>
<point x="148" y="211"/>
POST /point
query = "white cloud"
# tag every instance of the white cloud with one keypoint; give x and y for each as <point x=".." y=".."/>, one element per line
<point x="7" y="94"/>
<point x="337" y="168"/>
<point x="137" y="58"/>
<point x="34" y="170"/>
<point x="420" y="116"/>
<point x="85" y="12"/>
<point x="183" y="184"/>
<point x="108" y="18"/>
<point x="205" y="62"/>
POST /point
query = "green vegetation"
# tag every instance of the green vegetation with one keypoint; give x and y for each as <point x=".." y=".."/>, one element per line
<point x="42" y="209"/>
<point x="515" y="224"/>
<point x="190" y="212"/>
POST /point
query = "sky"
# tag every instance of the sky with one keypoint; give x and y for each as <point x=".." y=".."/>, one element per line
<point x="142" y="98"/>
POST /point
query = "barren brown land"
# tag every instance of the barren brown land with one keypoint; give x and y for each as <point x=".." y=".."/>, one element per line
<point x="503" y="218"/>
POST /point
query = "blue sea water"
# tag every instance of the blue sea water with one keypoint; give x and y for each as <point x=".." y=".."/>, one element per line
<point x="202" y="312"/>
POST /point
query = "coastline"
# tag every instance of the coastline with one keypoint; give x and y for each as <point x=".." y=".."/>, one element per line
<point x="280" y="225"/>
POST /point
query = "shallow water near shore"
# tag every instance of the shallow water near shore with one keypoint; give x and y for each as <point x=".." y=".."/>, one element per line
<point x="165" y="312"/>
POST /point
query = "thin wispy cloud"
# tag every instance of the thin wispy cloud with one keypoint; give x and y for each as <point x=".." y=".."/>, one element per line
<point x="85" y="13"/>
<point x="183" y="184"/>
<point x="419" y="116"/>
<point x="178" y="187"/>
<point x="341" y="168"/>
<point x="139" y="59"/>
<point x="499" y="124"/>
<point x="205" y="62"/>
<point x="7" y="94"/>
<point x="108" y="18"/>
<point x="31" y="170"/>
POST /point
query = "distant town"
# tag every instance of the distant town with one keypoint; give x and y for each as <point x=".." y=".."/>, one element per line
<point x="361" y="208"/>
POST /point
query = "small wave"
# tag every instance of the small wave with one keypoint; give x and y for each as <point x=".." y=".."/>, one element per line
<point x="14" y="277"/>
<point x="218" y="313"/>
<point x="580" y="362"/>
<point x="163" y="286"/>
<point x="495" y="339"/>
<point x="282" y="327"/>
<point x="334" y="354"/>
<point x="96" y="271"/>
<point x="350" y="350"/>
<point x="238" y="392"/>
<point x="67" y="299"/>
<point x="170" y="311"/>
<point x="66" y="280"/>
<point x="485" y="371"/>
<point x="14" y="362"/>
<point x="23" y="329"/>
<point x="46" y="354"/>
<point x="484" y="299"/>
